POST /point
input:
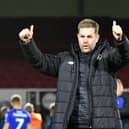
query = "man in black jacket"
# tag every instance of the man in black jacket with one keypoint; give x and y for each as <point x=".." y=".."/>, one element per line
<point x="86" y="88"/>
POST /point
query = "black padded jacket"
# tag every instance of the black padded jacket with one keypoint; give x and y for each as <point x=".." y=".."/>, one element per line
<point x="105" y="62"/>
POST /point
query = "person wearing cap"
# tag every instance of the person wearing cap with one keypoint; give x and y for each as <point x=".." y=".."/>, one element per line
<point x="36" y="118"/>
<point x="17" y="117"/>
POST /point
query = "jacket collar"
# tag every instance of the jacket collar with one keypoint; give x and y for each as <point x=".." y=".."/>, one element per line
<point x="101" y="44"/>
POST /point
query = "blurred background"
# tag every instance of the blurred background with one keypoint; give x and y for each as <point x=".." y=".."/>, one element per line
<point x="55" y="28"/>
<point x="55" y="25"/>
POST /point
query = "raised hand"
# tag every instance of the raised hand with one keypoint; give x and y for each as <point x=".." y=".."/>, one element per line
<point x="26" y="34"/>
<point x="117" y="31"/>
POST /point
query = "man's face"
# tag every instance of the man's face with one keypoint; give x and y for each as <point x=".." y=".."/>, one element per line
<point x="87" y="39"/>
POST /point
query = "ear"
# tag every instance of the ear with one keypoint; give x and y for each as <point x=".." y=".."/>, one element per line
<point x="97" y="37"/>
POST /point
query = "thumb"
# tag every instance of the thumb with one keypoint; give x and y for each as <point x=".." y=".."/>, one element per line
<point x="31" y="28"/>
<point x="114" y="22"/>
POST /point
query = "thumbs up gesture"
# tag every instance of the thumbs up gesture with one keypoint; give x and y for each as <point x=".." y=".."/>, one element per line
<point x="26" y="34"/>
<point x="117" y="31"/>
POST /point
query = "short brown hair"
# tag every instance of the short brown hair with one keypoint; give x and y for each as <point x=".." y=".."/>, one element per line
<point x="87" y="23"/>
<point x="16" y="98"/>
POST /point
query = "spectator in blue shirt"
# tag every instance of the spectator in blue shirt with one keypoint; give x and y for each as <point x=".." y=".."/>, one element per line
<point x="120" y="89"/>
<point x="17" y="117"/>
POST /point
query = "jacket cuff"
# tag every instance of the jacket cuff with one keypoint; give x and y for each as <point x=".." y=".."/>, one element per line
<point x="25" y="43"/>
<point x="124" y="38"/>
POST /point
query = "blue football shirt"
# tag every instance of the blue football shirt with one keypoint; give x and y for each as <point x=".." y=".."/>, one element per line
<point x="17" y="118"/>
<point x="120" y="102"/>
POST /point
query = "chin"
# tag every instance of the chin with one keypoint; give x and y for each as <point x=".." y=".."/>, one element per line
<point x="86" y="51"/>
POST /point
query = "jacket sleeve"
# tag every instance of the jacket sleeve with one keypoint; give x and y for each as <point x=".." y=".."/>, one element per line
<point x="119" y="56"/>
<point x="46" y="63"/>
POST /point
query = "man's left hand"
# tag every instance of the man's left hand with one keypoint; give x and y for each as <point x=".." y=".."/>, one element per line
<point x="117" y="31"/>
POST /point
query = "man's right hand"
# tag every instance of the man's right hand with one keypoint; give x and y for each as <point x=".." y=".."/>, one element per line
<point x="26" y="34"/>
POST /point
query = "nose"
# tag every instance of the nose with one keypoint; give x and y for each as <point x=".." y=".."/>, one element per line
<point x="85" y="39"/>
